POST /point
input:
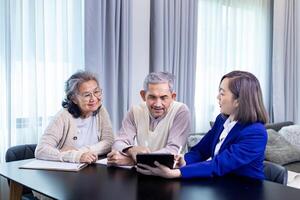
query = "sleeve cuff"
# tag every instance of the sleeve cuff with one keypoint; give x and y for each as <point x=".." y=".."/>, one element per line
<point x="71" y="156"/>
<point x="123" y="152"/>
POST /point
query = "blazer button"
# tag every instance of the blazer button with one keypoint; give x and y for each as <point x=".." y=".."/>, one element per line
<point x="74" y="138"/>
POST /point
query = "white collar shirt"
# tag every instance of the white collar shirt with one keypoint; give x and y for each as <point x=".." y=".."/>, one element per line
<point x="228" y="125"/>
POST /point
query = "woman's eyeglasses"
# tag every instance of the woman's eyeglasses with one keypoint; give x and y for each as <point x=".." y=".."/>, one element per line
<point x="86" y="96"/>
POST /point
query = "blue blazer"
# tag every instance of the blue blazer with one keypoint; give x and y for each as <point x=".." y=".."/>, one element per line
<point x="242" y="152"/>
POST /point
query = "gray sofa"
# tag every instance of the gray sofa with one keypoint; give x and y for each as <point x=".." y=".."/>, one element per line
<point x="294" y="166"/>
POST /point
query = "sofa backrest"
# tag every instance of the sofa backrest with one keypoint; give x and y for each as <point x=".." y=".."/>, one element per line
<point x="194" y="138"/>
<point x="279" y="125"/>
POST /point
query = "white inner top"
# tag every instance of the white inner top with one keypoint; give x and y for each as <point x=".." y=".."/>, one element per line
<point x="87" y="131"/>
<point x="228" y="125"/>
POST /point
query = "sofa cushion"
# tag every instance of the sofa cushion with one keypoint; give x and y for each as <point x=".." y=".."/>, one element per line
<point x="279" y="150"/>
<point x="291" y="134"/>
<point x="193" y="139"/>
<point x="294" y="166"/>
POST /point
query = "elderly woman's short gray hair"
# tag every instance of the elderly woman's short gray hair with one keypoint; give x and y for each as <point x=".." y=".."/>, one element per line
<point x="159" y="77"/>
<point x="71" y="89"/>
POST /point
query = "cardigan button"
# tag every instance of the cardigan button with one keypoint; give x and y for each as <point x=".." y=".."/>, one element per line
<point x="74" y="138"/>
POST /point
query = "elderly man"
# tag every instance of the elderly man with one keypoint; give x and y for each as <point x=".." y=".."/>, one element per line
<point x="159" y="124"/>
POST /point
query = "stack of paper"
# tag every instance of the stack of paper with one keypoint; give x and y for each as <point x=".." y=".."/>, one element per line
<point x="53" y="165"/>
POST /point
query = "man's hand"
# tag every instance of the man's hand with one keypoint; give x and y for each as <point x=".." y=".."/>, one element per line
<point x="116" y="158"/>
<point x="88" y="157"/>
<point x="132" y="151"/>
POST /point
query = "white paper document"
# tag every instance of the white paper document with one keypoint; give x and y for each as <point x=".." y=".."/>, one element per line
<point x="104" y="162"/>
<point x="293" y="179"/>
<point x="53" y="165"/>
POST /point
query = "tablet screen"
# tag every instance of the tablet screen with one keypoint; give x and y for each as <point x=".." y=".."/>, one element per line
<point x="150" y="158"/>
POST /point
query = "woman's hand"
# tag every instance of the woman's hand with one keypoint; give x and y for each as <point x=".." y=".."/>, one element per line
<point x="179" y="161"/>
<point x="160" y="170"/>
<point x="88" y="157"/>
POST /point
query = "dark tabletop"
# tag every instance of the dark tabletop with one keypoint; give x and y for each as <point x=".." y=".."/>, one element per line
<point x="99" y="182"/>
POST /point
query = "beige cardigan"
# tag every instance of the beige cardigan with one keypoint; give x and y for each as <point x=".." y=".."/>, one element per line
<point x="61" y="133"/>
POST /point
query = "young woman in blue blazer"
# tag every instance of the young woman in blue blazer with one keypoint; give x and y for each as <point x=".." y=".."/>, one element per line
<point x="237" y="140"/>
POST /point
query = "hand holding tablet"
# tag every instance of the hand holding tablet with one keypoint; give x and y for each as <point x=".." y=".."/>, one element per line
<point x="150" y="158"/>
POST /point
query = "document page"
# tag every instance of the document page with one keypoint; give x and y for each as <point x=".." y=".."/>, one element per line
<point x="53" y="165"/>
<point x="104" y="162"/>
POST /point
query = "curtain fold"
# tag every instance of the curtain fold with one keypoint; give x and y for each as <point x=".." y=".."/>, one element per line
<point x="173" y="41"/>
<point x="108" y="52"/>
<point x="286" y="61"/>
<point x="41" y="45"/>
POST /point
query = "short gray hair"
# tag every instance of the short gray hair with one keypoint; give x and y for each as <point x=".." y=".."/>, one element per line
<point x="71" y="88"/>
<point x="159" y="77"/>
<point x="73" y="83"/>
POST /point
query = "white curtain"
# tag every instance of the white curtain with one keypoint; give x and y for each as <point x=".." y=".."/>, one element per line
<point x="41" y="46"/>
<point x="232" y="35"/>
<point x="286" y="61"/>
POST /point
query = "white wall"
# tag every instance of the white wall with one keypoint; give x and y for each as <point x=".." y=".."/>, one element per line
<point x="140" y="46"/>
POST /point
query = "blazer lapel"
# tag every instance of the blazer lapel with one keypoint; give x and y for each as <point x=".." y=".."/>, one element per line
<point x="233" y="133"/>
<point x="216" y="139"/>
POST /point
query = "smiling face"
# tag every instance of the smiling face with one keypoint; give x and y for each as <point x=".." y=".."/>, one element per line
<point x="88" y="98"/>
<point x="158" y="98"/>
<point x="228" y="104"/>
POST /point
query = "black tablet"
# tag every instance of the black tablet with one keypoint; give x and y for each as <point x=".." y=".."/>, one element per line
<point x="149" y="158"/>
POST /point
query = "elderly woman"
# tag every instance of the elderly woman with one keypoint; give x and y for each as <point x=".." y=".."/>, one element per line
<point x="82" y="130"/>
<point x="237" y="141"/>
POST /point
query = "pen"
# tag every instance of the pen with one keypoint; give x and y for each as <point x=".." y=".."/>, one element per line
<point x="178" y="152"/>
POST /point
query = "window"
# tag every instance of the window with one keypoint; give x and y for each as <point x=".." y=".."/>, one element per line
<point x="232" y="35"/>
<point x="42" y="45"/>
